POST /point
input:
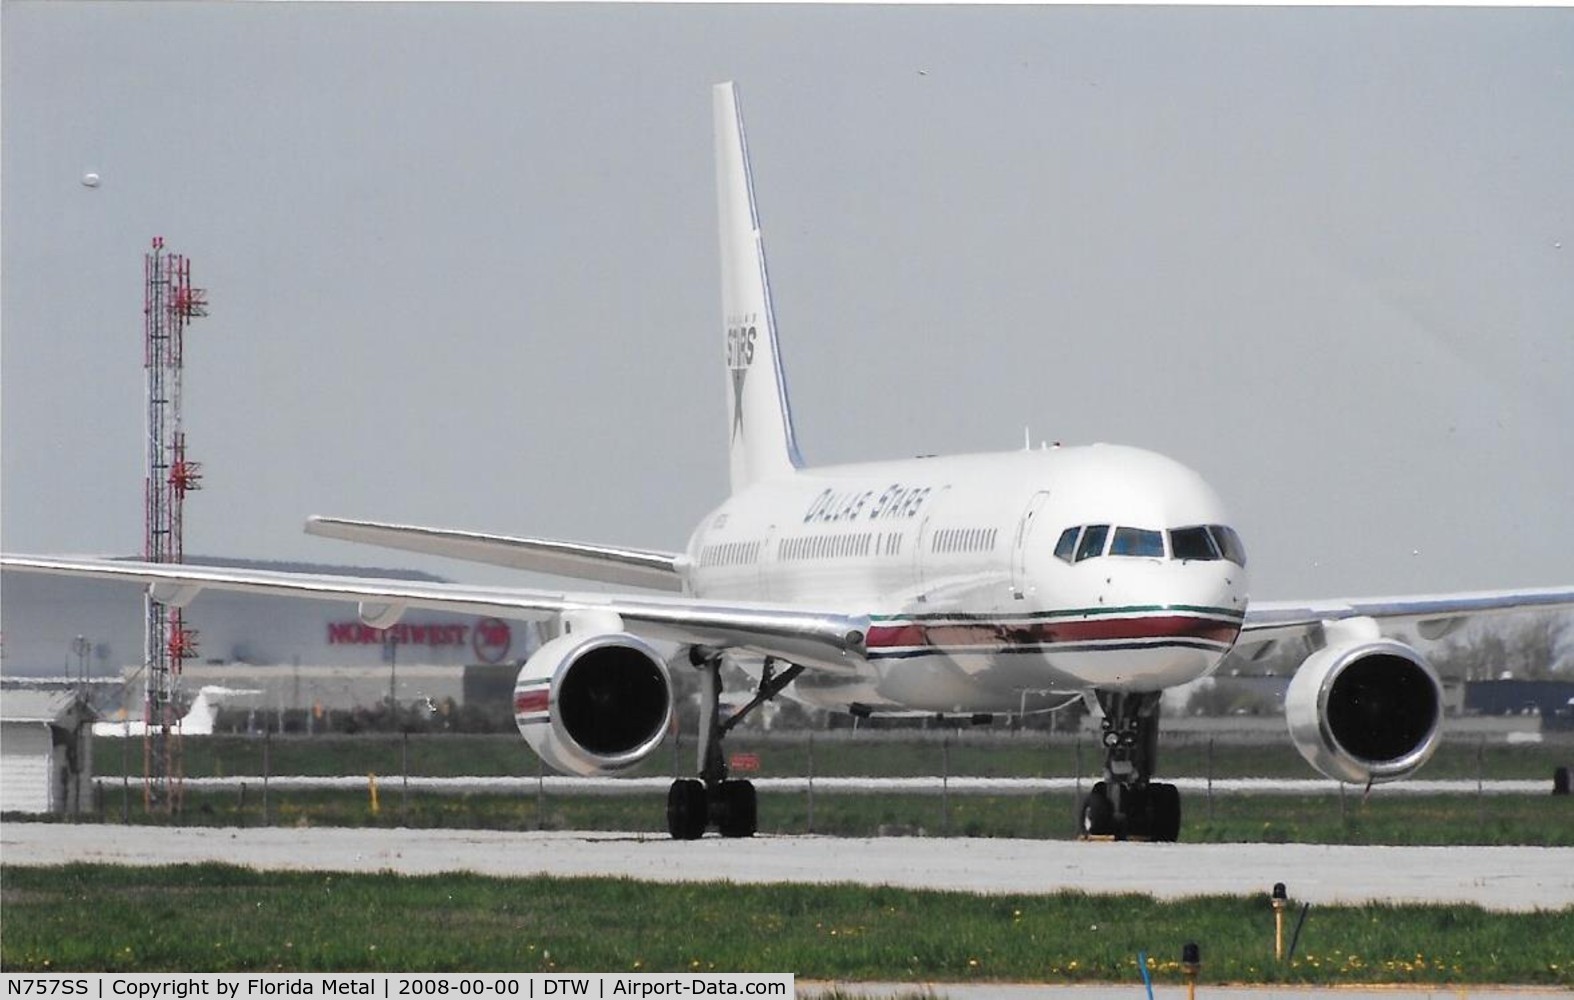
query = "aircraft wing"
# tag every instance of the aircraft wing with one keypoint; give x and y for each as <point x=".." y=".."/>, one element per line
<point x="604" y="563"/>
<point x="824" y="639"/>
<point x="1433" y="615"/>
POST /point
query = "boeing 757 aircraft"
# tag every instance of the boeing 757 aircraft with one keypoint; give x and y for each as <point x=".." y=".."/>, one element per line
<point x="990" y="583"/>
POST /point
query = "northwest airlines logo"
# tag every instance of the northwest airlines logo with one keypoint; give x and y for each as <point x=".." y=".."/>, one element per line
<point x="741" y="336"/>
<point x="489" y="638"/>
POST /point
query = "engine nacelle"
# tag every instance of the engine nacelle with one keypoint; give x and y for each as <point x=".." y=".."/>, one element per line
<point x="593" y="702"/>
<point x="1368" y="710"/>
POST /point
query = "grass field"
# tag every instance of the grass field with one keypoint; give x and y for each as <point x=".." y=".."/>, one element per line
<point x="220" y="918"/>
<point x="1541" y="820"/>
<point x="981" y="753"/>
<point x="203" y="918"/>
<point x="1348" y="819"/>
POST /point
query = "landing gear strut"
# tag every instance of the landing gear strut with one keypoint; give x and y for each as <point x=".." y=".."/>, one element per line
<point x="712" y="799"/>
<point x="1128" y="803"/>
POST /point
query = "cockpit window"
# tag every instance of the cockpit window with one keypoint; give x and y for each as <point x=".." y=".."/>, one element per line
<point x="1207" y="541"/>
<point x="1229" y="543"/>
<point x="1137" y="542"/>
<point x="1093" y="537"/>
<point x="1196" y="542"/>
<point x="1193" y="543"/>
<point x="1067" y="546"/>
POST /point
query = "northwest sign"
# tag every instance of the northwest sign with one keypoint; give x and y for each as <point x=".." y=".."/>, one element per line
<point x="489" y="638"/>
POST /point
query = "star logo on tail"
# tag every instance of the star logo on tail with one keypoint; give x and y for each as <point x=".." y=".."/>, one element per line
<point x="738" y="376"/>
<point x="740" y="355"/>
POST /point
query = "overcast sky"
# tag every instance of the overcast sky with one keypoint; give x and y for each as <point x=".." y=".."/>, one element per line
<point x="463" y="269"/>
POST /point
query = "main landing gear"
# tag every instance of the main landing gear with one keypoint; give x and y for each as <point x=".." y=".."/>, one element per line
<point x="712" y="799"/>
<point x="1127" y="803"/>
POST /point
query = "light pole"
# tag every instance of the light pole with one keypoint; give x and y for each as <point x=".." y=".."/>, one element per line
<point x="391" y="651"/>
<point x="81" y="647"/>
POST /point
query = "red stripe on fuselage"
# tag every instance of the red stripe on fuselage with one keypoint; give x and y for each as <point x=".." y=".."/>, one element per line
<point x="1029" y="633"/>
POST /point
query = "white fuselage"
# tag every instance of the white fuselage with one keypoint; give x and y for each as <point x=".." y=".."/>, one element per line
<point x="955" y="561"/>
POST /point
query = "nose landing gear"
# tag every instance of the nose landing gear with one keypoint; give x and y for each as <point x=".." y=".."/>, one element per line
<point x="1128" y="803"/>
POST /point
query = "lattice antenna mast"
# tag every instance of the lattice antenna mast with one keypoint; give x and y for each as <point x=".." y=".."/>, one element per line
<point x="170" y="303"/>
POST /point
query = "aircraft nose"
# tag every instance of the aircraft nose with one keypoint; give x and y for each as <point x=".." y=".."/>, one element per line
<point x="1204" y="600"/>
<point x="1218" y="586"/>
<point x="1213" y="584"/>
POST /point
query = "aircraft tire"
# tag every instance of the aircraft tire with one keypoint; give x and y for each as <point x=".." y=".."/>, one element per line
<point x="739" y="809"/>
<point x="687" y="809"/>
<point x="1164" y="812"/>
<point x="1096" y="815"/>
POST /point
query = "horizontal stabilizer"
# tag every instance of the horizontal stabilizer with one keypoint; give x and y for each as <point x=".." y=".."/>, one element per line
<point x="603" y="563"/>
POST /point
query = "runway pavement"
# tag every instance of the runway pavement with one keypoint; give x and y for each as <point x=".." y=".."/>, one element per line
<point x="1498" y="878"/>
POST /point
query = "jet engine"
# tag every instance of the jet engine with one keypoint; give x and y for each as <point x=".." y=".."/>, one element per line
<point x="593" y="702"/>
<point x="1365" y="710"/>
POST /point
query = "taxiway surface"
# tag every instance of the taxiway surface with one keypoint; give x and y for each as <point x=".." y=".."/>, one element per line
<point x="1497" y="878"/>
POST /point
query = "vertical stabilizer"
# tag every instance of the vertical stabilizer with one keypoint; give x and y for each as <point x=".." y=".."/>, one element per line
<point x="760" y="433"/>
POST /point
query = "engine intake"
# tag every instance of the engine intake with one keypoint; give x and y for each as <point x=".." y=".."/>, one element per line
<point x="1365" y="711"/>
<point x="593" y="703"/>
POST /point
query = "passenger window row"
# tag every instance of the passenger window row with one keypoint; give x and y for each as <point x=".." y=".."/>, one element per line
<point x="1201" y="541"/>
<point x="731" y="554"/>
<point x="825" y="546"/>
<point x="964" y="540"/>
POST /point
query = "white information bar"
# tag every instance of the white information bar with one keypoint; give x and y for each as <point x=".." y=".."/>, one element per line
<point x="398" y="986"/>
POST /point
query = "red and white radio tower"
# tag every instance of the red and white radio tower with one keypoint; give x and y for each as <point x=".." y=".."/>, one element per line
<point x="170" y="303"/>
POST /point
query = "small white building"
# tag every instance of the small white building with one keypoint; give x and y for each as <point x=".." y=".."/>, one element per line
<point x="46" y="752"/>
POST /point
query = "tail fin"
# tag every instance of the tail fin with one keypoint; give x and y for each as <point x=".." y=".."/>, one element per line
<point x="760" y="435"/>
<point x="204" y="711"/>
